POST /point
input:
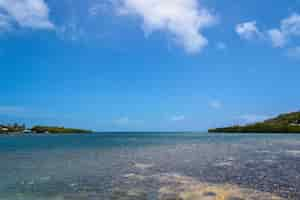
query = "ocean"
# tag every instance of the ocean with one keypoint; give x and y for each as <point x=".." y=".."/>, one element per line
<point x="150" y="166"/>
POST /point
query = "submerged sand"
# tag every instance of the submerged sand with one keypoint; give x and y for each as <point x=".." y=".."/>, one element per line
<point x="187" y="188"/>
<point x="178" y="187"/>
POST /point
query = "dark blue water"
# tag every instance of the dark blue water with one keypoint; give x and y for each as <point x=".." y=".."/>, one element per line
<point x="142" y="165"/>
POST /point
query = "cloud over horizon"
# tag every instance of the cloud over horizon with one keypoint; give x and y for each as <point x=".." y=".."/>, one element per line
<point x="184" y="19"/>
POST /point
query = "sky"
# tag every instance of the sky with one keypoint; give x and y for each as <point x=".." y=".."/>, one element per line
<point x="148" y="65"/>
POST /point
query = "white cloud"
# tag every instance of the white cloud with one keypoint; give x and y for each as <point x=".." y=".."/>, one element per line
<point x="4" y="23"/>
<point x="184" y="19"/>
<point x="280" y="37"/>
<point x="289" y="27"/>
<point x="27" y="13"/>
<point x="248" y="30"/>
<point x="294" y="52"/>
<point x="215" y="104"/>
<point x="178" y="118"/>
<point x="277" y="37"/>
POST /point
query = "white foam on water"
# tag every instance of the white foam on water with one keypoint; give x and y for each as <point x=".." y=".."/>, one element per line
<point x="264" y="151"/>
<point x="269" y="161"/>
<point x="134" y="176"/>
<point x="143" y="166"/>
<point x="224" y="164"/>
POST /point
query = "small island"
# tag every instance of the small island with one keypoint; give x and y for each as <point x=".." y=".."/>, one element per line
<point x="21" y="129"/>
<point x="284" y="123"/>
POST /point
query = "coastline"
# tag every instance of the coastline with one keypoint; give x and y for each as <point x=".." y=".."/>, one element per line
<point x="282" y="124"/>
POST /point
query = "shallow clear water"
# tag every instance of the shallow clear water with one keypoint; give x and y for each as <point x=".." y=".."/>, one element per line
<point x="149" y="166"/>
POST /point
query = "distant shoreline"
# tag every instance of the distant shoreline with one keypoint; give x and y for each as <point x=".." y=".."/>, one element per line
<point x="38" y="130"/>
<point x="33" y="134"/>
<point x="288" y="123"/>
<point x="253" y="133"/>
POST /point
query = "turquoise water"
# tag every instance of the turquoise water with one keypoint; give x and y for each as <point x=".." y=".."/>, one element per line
<point x="146" y="165"/>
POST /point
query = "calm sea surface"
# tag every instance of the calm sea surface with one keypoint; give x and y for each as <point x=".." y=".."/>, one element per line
<point x="150" y="166"/>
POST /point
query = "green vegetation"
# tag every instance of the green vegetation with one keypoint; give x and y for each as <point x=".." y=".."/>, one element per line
<point x="21" y="129"/>
<point x="49" y="129"/>
<point x="15" y="128"/>
<point x="284" y="123"/>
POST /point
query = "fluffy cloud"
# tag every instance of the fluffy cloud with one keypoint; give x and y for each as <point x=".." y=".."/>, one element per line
<point x="184" y="19"/>
<point x="280" y="37"/>
<point x="289" y="27"/>
<point x="4" y="23"/>
<point x="26" y="13"/>
<point x="248" y="30"/>
<point x="277" y="37"/>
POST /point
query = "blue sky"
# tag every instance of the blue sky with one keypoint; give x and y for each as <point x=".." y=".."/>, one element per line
<point x="156" y="65"/>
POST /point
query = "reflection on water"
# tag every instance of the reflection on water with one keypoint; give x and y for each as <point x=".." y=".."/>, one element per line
<point x="150" y="166"/>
